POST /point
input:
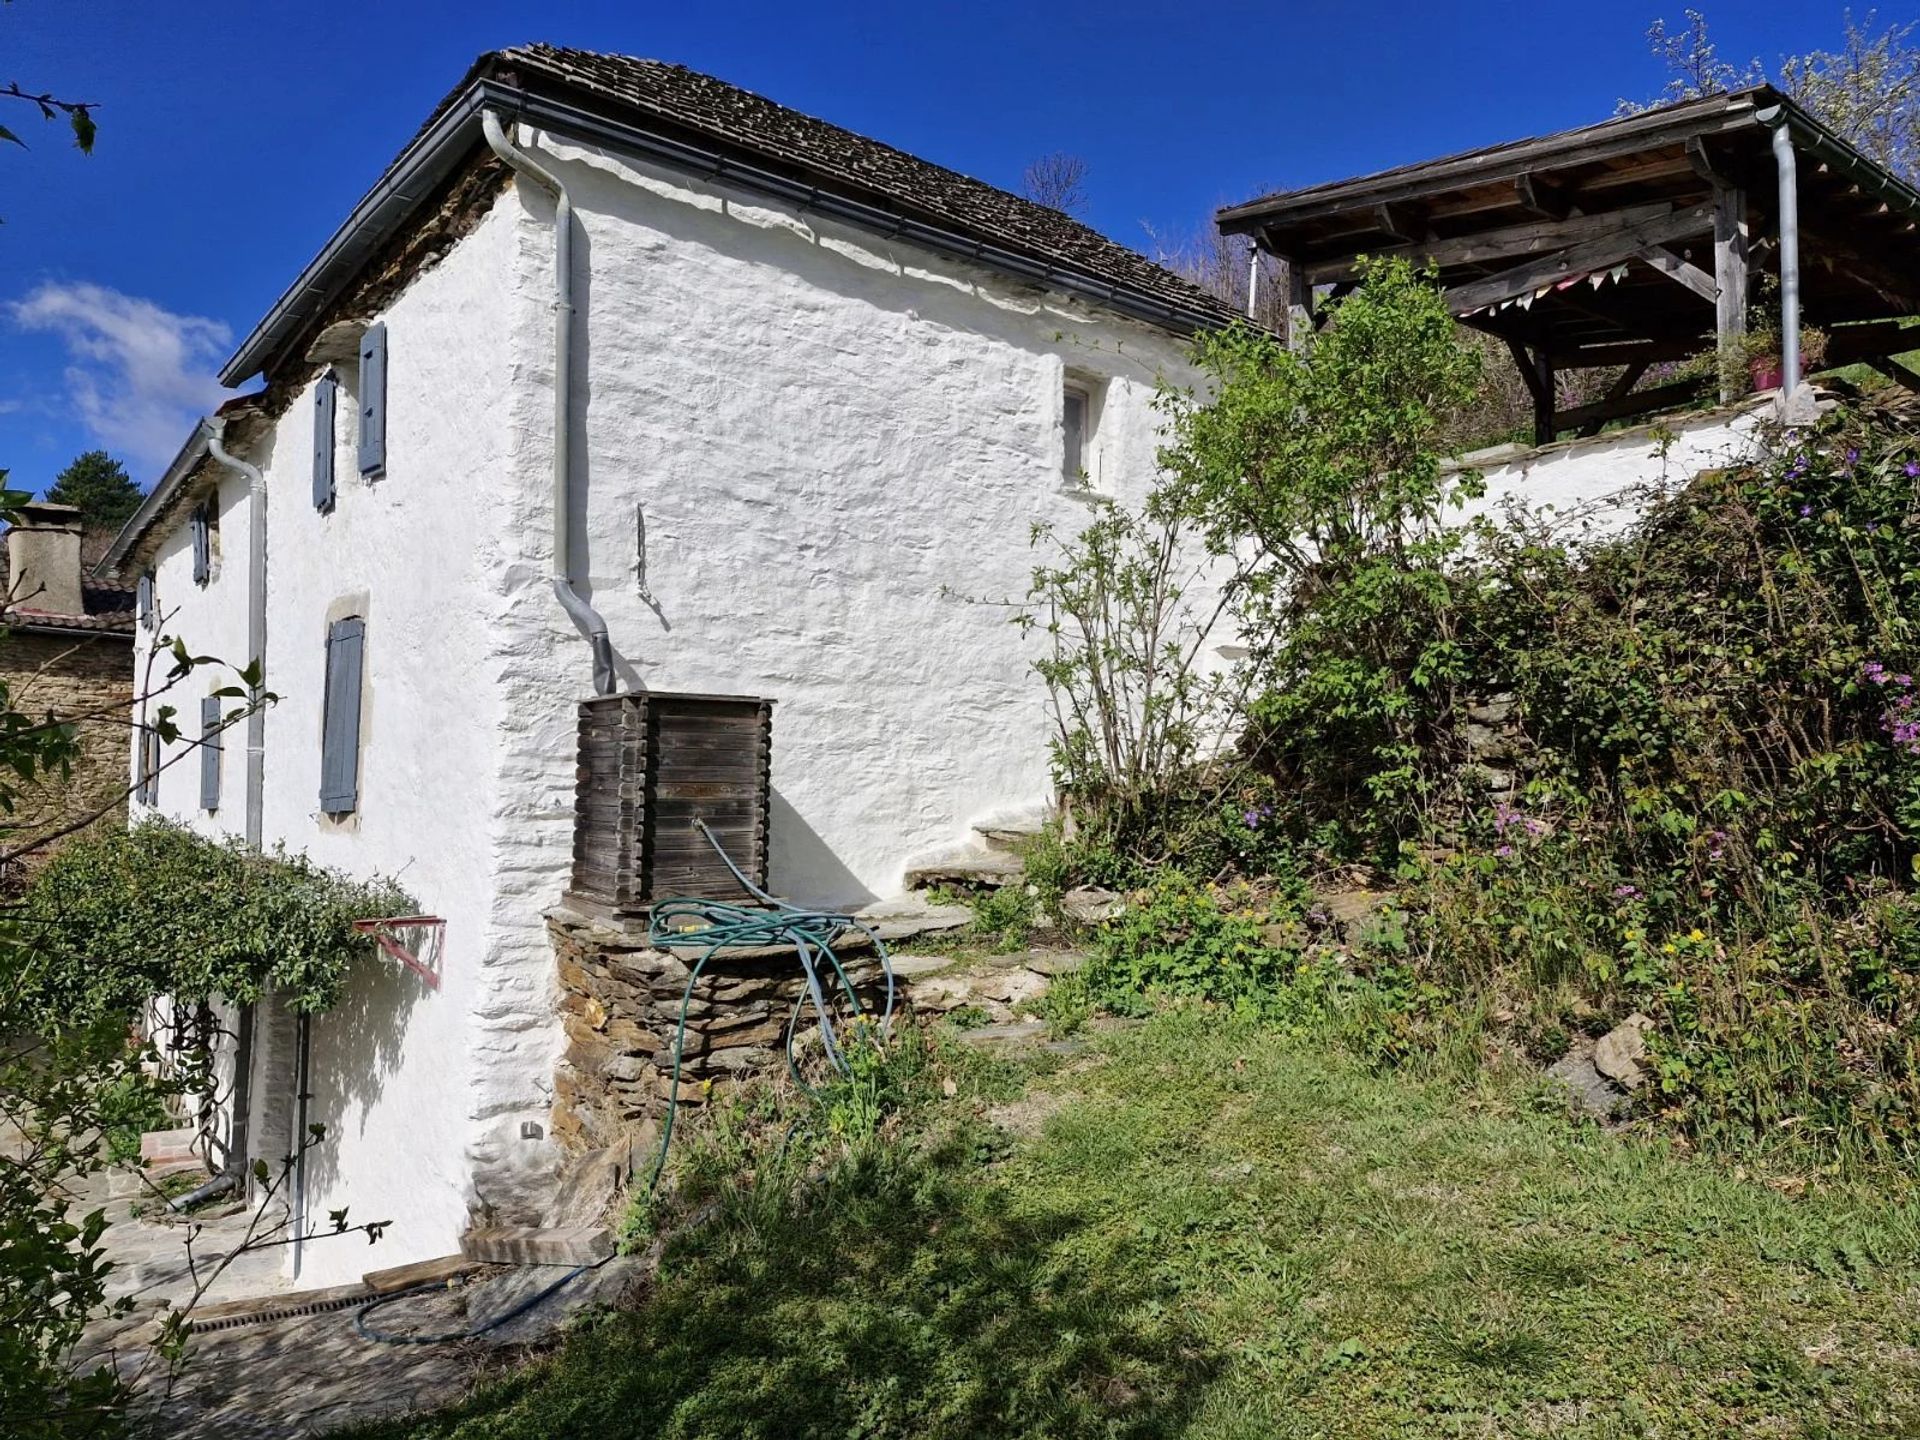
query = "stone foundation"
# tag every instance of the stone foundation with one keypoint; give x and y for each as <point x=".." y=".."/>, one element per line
<point x="620" y="1002"/>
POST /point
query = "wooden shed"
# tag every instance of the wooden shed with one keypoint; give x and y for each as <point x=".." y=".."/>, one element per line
<point x="1627" y="243"/>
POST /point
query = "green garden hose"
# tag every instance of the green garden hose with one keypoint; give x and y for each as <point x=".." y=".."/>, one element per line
<point x="717" y="925"/>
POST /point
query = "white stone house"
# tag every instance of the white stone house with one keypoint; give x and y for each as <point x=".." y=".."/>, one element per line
<point x="817" y="392"/>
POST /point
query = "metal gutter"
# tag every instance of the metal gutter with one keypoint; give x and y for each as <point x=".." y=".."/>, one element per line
<point x="156" y="501"/>
<point x="427" y="160"/>
<point x="433" y="155"/>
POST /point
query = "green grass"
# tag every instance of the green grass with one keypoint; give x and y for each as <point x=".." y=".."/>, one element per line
<point x="1204" y="1229"/>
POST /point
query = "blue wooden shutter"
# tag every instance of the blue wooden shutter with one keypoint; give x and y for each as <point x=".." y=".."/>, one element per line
<point x="210" y="753"/>
<point x="373" y="401"/>
<point x="325" y="398"/>
<point x="202" y="545"/>
<point x="340" y="724"/>
<point x="144" y="592"/>
<point x="149" y="767"/>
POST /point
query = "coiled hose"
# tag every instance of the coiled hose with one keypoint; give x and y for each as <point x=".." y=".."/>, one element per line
<point x="714" y="926"/>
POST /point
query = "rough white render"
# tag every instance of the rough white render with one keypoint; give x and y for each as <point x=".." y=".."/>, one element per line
<point x="1592" y="489"/>
<point x="838" y="445"/>
<point x="396" y="1071"/>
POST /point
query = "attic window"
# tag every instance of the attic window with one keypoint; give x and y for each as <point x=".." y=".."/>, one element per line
<point x="1079" y="417"/>
<point x="1074" y="417"/>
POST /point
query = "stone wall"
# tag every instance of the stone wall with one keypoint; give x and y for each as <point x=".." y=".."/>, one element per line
<point x="620" y="999"/>
<point x="69" y="676"/>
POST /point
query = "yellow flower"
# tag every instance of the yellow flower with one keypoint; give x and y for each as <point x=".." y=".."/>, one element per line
<point x="1696" y="935"/>
<point x="1667" y="949"/>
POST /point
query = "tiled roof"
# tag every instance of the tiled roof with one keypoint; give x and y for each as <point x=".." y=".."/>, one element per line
<point x="855" y="166"/>
<point x="110" y="606"/>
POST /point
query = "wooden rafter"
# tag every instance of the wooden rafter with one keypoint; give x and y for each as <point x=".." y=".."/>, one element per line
<point x="1510" y="242"/>
<point x="1574" y="261"/>
<point x="1684" y="271"/>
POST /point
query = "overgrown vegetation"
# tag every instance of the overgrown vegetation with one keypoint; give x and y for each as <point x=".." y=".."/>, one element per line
<point x="120" y="916"/>
<point x="1204" y="1227"/>
<point x="1708" y="770"/>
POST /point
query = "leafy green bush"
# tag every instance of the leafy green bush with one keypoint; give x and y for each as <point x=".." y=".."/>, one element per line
<point x="118" y="917"/>
<point x="1177" y="941"/>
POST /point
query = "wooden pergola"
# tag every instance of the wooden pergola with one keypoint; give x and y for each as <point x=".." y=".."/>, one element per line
<point x="1627" y="243"/>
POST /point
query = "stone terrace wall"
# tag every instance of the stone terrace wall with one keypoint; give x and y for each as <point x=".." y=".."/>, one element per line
<point x="620" y="1001"/>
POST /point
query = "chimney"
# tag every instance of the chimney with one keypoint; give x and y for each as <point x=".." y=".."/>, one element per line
<point x="43" y="559"/>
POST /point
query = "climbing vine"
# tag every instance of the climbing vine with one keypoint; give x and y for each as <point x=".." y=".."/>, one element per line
<point x="119" y="917"/>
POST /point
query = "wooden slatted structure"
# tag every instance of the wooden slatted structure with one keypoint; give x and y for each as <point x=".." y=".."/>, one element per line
<point x="650" y="765"/>
<point x="1627" y="243"/>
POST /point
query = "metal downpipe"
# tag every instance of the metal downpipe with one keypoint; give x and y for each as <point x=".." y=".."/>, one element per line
<point x="235" y="1170"/>
<point x="583" y="615"/>
<point x="1775" y="118"/>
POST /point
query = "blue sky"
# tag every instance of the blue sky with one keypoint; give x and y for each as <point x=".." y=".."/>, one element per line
<point x="233" y="138"/>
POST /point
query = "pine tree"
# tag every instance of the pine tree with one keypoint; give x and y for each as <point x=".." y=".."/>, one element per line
<point x="100" y="486"/>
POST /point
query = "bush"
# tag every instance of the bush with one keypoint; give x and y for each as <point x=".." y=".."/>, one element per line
<point x="118" y="917"/>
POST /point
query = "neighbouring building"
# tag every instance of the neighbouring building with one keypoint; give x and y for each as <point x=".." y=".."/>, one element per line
<point x="65" y="651"/>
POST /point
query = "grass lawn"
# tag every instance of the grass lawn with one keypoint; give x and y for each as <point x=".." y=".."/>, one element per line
<point x="1203" y="1229"/>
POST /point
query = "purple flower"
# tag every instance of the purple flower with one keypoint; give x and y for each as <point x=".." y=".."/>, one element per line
<point x="1626" y="892"/>
<point x="1503" y="851"/>
<point x="1913" y="469"/>
<point x="1853" y="456"/>
<point x="1805" y="510"/>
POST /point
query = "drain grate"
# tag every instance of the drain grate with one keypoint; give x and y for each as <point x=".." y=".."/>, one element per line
<point x="282" y="1312"/>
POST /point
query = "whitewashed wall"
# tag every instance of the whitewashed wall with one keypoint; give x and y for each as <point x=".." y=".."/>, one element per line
<point x="839" y="445"/>
<point x="1591" y="489"/>
<point x="394" y="1070"/>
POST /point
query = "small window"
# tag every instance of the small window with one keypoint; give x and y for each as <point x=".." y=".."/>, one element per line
<point x="340" y="718"/>
<point x="149" y="613"/>
<point x="205" y="527"/>
<point x="210" y="753"/>
<point x="147" y="770"/>
<point x="1075" y="413"/>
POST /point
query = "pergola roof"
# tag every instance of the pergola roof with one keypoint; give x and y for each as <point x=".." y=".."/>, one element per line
<point x="1572" y="244"/>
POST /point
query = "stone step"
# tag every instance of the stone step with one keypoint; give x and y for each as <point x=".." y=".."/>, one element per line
<point x="1008" y="837"/>
<point x="527" y="1245"/>
<point x="968" y="870"/>
<point x="166" y="1147"/>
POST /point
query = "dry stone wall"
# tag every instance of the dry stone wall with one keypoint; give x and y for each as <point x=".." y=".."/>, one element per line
<point x="71" y="676"/>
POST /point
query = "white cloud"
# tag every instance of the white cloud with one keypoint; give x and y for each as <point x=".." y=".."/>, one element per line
<point x="138" y="376"/>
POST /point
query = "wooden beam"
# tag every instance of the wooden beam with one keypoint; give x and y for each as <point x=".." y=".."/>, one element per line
<point x="1644" y="402"/>
<point x="1729" y="278"/>
<point x="1575" y="260"/>
<point x="1510" y="242"/>
<point x="1537" y="371"/>
<point x="1684" y="271"/>
<point x="1571" y="150"/>
<point x="1705" y="166"/>
<point x="1543" y="197"/>
<point x="1619" y="390"/>
<point x="1849" y="344"/>
<point x="1894" y="370"/>
<point x="1625" y="352"/>
<point x="1406" y="223"/>
<point x="1299" y="306"/>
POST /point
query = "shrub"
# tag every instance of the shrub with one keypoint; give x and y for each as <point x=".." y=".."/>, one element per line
<point x="118" y="917"/>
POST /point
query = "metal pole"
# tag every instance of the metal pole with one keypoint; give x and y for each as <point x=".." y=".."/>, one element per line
<point x="1783" y="158"/>
<point x="1253" y="278"/>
